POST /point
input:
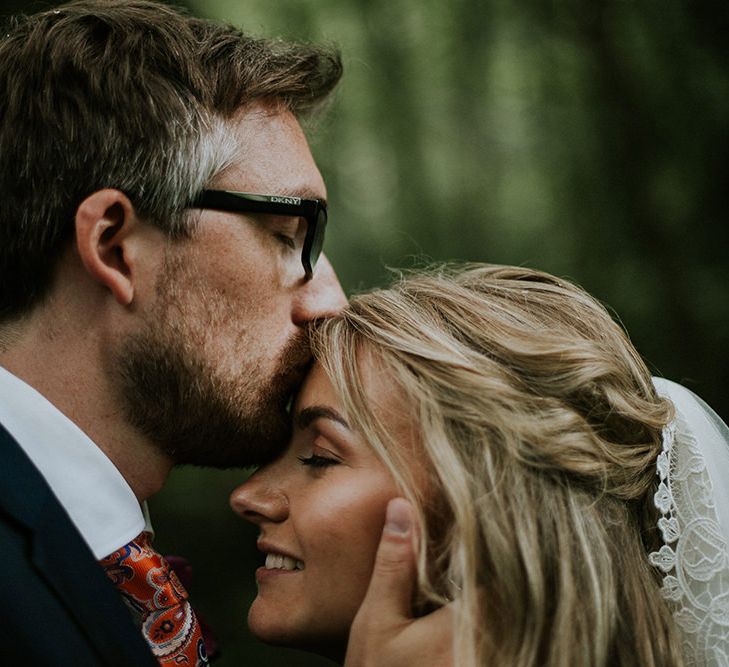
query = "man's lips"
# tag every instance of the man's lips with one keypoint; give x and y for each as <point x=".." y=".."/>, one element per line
<point x="295" y="377"/>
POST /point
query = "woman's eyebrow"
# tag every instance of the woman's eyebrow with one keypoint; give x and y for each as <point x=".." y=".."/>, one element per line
<point x="311" y="413"/>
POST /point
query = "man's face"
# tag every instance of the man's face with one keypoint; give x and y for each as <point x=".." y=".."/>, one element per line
<point x="209" y="375"/>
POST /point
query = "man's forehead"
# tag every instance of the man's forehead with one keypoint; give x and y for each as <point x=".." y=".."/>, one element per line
<point x="272" y="155"/>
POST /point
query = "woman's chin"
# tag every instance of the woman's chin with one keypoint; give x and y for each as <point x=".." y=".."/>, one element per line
<point x="268" y="626"/>
<point x="278" y="628"/>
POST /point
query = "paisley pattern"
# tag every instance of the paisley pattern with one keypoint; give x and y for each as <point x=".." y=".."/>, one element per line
<point x="159" y="603"/>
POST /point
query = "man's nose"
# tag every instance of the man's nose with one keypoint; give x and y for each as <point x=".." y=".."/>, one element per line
<point x="320" y="297"/>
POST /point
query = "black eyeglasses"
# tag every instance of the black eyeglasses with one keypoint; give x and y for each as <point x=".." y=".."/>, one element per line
<point x="314" y="211"/>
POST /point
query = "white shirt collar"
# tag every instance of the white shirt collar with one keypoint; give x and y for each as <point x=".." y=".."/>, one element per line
<point x="88" y="485"/>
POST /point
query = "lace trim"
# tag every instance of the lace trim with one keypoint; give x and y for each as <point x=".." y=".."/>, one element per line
<point x="694" y="558"/>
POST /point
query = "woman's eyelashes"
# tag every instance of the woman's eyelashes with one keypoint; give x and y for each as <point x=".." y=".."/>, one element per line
<point x="318" y="461"/>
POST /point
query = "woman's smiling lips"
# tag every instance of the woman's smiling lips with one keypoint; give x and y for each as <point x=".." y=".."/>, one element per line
<point x="278" y="561"/>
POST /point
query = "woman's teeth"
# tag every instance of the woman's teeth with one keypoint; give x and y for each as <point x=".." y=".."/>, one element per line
<point x="279" y="562"/>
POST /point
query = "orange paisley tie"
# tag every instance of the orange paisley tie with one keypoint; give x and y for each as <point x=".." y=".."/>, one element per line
<point x="159" y="603"/>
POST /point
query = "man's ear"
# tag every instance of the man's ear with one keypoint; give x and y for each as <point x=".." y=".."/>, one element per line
<point x="104" y="222"/>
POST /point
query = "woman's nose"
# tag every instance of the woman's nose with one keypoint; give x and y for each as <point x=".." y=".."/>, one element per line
<point x="258" y="500"/>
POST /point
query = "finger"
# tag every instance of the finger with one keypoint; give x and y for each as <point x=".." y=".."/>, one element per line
<point x="389" y="595"/>
<point x="437" y="627"/>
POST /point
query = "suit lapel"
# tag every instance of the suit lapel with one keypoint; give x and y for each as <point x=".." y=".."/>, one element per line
<point x="65" y="562"/>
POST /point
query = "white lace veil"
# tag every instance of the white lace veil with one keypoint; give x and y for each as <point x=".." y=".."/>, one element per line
<point x="693" y="499"/>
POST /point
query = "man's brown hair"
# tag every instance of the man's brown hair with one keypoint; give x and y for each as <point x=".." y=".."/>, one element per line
<point x="133" y="95"/>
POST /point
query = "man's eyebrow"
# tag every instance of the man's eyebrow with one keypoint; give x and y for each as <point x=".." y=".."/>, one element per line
<point x="308" y="193"/>
<point x="310" y="414"/>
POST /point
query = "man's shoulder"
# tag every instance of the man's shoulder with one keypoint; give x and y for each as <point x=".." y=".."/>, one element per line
<point x="59" y="607"/>
<point x="22" y="487"/>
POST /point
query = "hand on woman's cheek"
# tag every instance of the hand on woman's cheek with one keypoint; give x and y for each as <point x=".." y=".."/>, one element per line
<point x="320" y="509"/>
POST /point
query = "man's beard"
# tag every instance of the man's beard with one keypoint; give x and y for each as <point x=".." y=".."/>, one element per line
<point x="193" y="411"/>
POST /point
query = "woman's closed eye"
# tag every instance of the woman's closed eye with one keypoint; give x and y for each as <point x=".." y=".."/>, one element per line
<point x="318" y="461"/>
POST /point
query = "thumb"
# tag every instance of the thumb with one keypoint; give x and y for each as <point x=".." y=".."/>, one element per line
<point x="388" y="598"/>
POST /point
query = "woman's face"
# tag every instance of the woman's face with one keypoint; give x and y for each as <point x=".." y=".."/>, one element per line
<point x="320" y="508"/>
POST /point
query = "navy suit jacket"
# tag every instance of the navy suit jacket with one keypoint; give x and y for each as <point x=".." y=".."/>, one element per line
<point x="57" y="607"/>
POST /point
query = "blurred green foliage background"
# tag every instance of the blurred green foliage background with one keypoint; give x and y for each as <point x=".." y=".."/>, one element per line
<point x="588" y="138"/>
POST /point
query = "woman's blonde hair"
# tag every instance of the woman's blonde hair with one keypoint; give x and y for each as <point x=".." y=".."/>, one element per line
<point x="538" y="427"/>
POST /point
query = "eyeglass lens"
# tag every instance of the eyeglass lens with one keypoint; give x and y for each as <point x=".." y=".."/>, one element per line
<point x="317" y="243"/>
